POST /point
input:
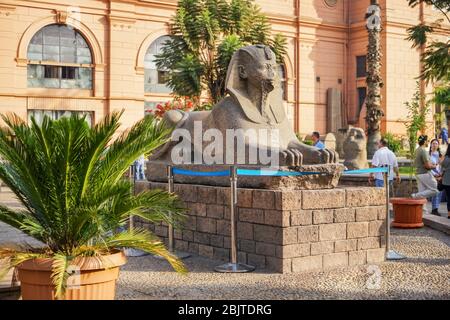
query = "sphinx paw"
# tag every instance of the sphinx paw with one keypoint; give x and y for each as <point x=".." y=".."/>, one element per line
<point x="291" y="157"/>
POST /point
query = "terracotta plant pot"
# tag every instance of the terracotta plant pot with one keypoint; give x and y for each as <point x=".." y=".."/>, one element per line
<point x="407" y="212"/>
<point x="94" y="283"/>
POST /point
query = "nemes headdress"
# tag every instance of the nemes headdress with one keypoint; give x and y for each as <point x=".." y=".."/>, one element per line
<point x="237" y="87"/>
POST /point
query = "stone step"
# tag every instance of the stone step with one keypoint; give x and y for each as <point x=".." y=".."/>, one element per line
<point x="7" y="281"/>
<point x="12" y="235"/>
<point x="438" y="223"/>
<point x="7" y="196"/>
<point x="4" y="188"/>
<point x="12" y="204"/>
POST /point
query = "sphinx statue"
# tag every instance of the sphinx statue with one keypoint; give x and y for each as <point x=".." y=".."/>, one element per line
<point x="254" y="101"/>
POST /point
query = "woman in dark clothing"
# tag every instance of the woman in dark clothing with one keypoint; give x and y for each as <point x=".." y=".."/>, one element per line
<point x="445" y="168"/>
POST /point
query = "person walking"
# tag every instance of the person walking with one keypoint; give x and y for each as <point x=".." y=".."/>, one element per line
<point x="444" y="135"/>
<point x="316" y="140"/>
<point x="445" y="171"/>
<point x="436" y="158"/>
<point x="139" y="168"/>
<point x="384" y="157"/>
<point x="426" y="182"/>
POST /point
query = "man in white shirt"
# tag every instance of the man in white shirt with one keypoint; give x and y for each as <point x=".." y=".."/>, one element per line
<point x="384" y="157"/>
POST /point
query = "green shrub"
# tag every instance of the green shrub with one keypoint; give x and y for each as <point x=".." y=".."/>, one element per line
<point x="416" y="122"/>
<point x="305" y="141"/>
<point x="394" y="144"/>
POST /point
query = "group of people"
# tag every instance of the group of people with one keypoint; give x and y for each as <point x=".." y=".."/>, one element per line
<point x="431" y="167"/>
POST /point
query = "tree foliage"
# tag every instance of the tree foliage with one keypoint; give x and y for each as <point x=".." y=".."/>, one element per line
<point x="394" y="144"/>
<point x="204" y="36"/>
<point x="416" y="122"/>
<point x="416" y="119"/>
<point x="436" y="58"/>
<point x="442" y="95"/>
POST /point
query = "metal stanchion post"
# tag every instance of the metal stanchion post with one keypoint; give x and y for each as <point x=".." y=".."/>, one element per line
<point x="130" y="252"/>
<point x="233" y="266"/>
<point x="133" y="182"/>
<point x="170" y="189"/>
<point x="390" y="254"/>
<point x="179" y="254"/>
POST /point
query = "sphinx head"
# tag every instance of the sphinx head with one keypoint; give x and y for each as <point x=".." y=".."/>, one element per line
<point x="252" y="72"/>
<point x="254" y="65"/>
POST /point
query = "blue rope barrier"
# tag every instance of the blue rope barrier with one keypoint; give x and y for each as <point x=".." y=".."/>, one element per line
<point x="267" y="173"/>
<point x="272" y="173"/>
<point x="201" y="173"/>
<point x="370" y="170"/>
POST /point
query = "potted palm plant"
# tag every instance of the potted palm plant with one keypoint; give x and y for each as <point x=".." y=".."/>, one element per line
<point x="408" y="211"/>
<point x="69" y="178"/>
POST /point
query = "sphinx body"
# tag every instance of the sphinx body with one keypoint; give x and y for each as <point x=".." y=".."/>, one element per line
<point x="254" y="102"/>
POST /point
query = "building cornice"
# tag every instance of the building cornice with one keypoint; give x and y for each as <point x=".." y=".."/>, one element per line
<point x="71" y="97"/>
<point x="309" y="22"/>
<point x="7" y="9"/>
<point x="171" y="5"/>
<point x="437" y="29"/>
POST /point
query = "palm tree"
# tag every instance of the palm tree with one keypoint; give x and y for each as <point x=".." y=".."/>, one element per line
<point x="374" y="82"/>
<point x="69" y="179"/>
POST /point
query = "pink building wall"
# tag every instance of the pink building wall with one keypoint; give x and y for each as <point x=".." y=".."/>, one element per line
<point x="323" y="42"/>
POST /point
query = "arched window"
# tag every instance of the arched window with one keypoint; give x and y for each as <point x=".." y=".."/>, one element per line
<point x="281" y="70"/>
<point x="155" y="79"/>
<point x="59" y="57"/>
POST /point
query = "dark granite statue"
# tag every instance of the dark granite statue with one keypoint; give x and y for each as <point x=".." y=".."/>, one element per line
<point x="254" y="101"/>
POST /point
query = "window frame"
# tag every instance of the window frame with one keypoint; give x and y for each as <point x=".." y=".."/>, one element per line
<point x="283" y="81"/>
<point x="359" y="103"/>
<point x="358" y="76"/>
<point x="149" y="88"/>
<point x="84" y="112"/>
<point x="61" y="65"/>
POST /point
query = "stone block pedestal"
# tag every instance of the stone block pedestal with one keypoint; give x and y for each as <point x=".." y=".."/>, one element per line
<point x="283" y="231"/>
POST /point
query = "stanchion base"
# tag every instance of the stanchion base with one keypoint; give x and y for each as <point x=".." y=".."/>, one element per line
<point x="178" y="254"/>
<point x="130" y="252"/>
<point x="234" y="267"/>
<point x="402" y="225"/>
<point x="392" y="255"/>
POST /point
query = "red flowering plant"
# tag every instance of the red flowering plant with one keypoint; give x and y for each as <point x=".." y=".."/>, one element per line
<point x="178" y="103"/>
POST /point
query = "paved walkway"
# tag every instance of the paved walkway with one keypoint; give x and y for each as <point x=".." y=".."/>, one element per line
<point x="425" y="274"/>
<point x="9" y="235"/>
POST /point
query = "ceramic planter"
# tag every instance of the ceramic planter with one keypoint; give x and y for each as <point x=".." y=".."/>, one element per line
<point x="95" y="281"/>
<point x="407" y="212"/>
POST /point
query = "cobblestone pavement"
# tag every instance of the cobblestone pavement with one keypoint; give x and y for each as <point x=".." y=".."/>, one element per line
<point x="425" y="274"/>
